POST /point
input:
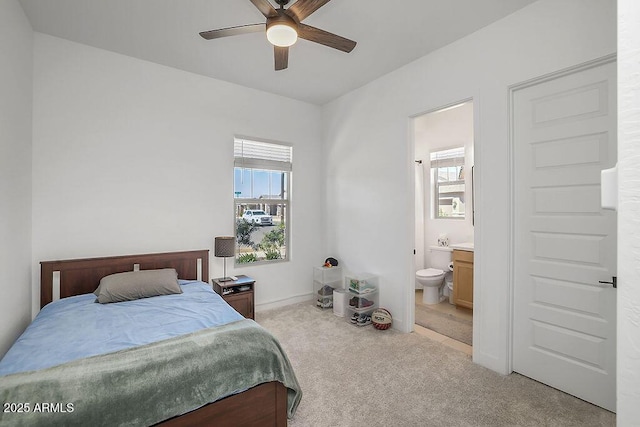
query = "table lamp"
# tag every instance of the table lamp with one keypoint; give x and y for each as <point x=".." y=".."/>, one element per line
<point x="225" y="247"/>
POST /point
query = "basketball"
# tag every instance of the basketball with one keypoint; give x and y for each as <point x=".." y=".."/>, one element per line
<point x="381" y="318"/>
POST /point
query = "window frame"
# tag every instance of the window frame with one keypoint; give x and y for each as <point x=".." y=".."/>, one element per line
<point x="254" y="163"/>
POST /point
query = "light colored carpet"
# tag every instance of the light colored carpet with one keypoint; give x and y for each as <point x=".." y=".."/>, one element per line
<point x="445" y="324"/>
<point x="359" y="376"/>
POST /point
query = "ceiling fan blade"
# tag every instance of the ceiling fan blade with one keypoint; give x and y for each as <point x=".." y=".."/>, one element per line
<point x="303" y="8"/>
<point x="233" y="31"/>
<point x="326" y="38"/>
<point x="281" y="55"/>
<point x="265" y="7"/>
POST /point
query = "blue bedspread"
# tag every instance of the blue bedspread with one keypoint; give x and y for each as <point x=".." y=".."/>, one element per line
<point x="78" y="327"/>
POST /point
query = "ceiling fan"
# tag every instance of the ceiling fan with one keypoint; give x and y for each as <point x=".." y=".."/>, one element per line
<point x="283" y="28"/>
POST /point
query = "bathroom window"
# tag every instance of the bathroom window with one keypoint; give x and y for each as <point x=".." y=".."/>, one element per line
<point x="447" y="176"/>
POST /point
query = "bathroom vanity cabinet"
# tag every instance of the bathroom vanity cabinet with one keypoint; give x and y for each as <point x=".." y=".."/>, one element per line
<point x="463" y="278"/>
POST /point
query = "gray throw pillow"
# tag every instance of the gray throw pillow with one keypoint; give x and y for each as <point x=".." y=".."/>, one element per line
<point x="134" y="285"/>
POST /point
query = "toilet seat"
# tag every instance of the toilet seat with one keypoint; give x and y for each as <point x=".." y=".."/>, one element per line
<point x="429" y="272"/>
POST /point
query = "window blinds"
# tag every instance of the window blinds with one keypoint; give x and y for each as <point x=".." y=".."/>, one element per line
<point x="262" y="155"/>
<point x="447" y="158"/>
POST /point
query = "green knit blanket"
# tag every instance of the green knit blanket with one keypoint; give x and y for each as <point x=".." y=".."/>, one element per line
<point x="145" y="385"/>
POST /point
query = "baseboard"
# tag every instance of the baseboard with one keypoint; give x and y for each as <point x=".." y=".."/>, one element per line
<point x="283" y="302"/>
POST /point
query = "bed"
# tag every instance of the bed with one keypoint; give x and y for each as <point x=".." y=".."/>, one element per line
<point x="227" y="371"/>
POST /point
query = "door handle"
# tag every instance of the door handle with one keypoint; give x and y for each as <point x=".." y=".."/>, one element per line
<point x="614" y="281"/>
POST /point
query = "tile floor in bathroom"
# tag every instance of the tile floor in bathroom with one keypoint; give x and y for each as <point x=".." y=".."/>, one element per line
<point x="447" y="308"/>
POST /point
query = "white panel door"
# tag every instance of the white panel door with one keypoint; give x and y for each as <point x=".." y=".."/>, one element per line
<point x="564" y="134"/>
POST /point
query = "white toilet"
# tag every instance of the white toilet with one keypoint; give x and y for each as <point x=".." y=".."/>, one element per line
<point x="432" y="278"/>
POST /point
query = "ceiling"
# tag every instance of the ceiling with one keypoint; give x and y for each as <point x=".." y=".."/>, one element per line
<point x="390" y="34"/>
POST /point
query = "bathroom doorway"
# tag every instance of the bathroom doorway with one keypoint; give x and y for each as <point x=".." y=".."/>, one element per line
<point x="444" y="218"/>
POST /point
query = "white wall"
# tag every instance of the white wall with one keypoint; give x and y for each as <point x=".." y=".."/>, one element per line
<point x="16" y="64"/>
<point x="441" y="130"/>
<point x="134" y="157"/>
<point x="628" y="359"/>
<point x="370" y="159"/>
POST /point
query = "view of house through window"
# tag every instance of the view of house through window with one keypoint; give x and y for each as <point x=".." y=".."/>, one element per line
<point x="447" y="172"/>
<point x="262" y="179"/>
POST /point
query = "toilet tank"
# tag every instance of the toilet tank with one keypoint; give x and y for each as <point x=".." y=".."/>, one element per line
<point x="440" y="257"/>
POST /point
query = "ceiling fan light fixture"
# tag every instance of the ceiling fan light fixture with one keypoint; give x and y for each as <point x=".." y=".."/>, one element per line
<point x="281" y="31"/>
<point x="282" y="35"/>
<point x="284" y="27"/>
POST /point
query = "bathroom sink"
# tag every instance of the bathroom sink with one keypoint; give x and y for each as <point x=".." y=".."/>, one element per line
<point x="462" y="246"/>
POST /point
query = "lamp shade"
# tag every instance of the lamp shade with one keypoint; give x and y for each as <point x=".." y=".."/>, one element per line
<point x="225" y="246"/>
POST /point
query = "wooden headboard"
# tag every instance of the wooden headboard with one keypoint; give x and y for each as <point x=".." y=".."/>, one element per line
<point x="82" y="276"/>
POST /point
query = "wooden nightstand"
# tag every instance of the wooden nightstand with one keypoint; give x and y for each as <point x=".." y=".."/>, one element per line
<point x="235" y="294"/>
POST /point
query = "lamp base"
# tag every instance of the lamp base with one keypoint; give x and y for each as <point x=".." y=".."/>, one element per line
<point x="225" y="279"/>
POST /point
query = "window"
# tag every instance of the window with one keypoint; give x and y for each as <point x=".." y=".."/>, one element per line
<point x="447" y="173"/>
<point x="262" y="179"/>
